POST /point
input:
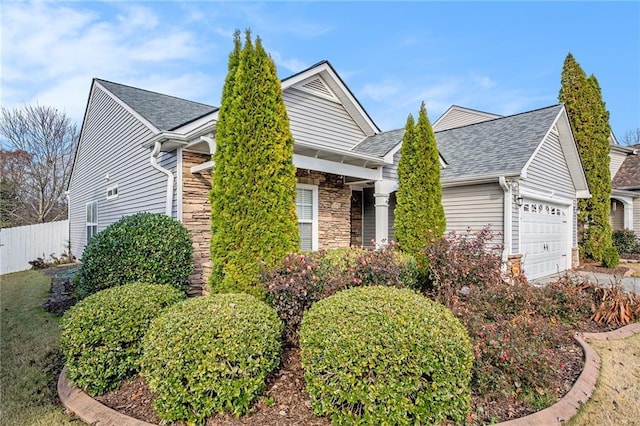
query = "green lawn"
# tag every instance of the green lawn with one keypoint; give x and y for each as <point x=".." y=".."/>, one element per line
<point x="29" y="353"/>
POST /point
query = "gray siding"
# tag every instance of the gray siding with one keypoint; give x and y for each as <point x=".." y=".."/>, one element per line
<point x="616" y="160"/>
<point x="549" y="171"/>
<point x="390" y="171"/>
<point x="473" y="206"/>
<point x="515" y="226"/>
<point x="457" y="118"/>
<point x="319" y="121"/>
<point x="111" y="143"/>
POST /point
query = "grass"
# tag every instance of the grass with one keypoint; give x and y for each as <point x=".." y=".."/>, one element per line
<point x="615" y="400"/>
<point x="29" y="350"/>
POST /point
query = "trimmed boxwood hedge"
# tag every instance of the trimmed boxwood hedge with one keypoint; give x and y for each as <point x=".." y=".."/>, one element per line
<point x="146" y="247"/>
<point x="383" y="355"/>
<point x="211" y="354"/>
<point x="101" y="336"/>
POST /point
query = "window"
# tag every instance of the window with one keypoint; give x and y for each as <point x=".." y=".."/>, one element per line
<point x="92" y="219"/>
<point x="112" y="192"/>
<point x="307" y="209"/>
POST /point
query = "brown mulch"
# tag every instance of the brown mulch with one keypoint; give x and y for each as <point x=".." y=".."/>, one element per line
<point x="285" y="388"/>
<point x="292" y="405"/>
<point x="619" y="271"/>
<point x="285" y="401"/>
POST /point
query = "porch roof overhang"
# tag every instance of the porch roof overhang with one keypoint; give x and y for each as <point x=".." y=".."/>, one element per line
<point x="624" y="193"/>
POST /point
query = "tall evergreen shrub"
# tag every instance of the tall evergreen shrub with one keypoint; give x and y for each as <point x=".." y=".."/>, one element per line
<point x="253" y="215"/>
<point x="419" y="215"/>
<point x="590" y="124"/>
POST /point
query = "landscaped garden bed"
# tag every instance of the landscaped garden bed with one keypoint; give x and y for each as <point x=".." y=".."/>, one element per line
<point x="521" y="335"/>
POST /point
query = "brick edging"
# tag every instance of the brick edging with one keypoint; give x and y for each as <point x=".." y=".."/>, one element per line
<point x="91" y="411"/>
<point x="88" y="409"/>
<point x="584" y="386"/>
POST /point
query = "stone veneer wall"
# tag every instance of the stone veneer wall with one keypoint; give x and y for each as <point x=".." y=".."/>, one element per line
<point x="334" y="208"/>
<point x="196" y="217"/>
<point x="334" y="211"/>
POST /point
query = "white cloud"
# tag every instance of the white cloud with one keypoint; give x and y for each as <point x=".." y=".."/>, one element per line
<point x="50" y="53"/>
<point x="379" y="92"/>
<point x="292" y="65"/>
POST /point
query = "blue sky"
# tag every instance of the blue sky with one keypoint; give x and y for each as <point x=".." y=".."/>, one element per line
<point x="500" y="57"/>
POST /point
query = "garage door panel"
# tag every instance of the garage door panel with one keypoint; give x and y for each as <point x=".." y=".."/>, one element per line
<point x="544" y="231"/>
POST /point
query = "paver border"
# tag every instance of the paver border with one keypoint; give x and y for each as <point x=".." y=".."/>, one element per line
<point x="93" y="412"/>
<point x="584" y="386"/>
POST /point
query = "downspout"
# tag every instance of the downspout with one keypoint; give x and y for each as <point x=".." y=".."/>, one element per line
<point x="154" y="162"/>
<point x="507" y="221"/>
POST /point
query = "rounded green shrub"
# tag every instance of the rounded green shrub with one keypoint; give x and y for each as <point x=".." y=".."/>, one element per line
<point x="101" y="336"/>
<point x="384" y="355"/>
<point x="211" y="354"/>
<point x="146" y="247"/>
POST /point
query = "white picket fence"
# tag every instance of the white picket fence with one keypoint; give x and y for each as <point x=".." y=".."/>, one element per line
<point x="24" y="243"/>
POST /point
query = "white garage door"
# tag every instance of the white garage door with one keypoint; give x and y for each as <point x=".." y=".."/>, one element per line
<point x="545" y="229"/>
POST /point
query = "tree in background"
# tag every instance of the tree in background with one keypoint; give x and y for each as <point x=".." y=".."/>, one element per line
<point x="631" y="137"/>
<point x="253" y="213"/>
<point x="419" y="215"/>
<point x="590" y="124"/>
<point x="38" y="144"/>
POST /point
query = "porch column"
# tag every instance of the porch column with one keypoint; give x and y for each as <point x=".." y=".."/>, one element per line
<point x="383" y="188"/>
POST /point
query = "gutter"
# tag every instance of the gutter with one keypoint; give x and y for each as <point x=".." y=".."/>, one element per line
<point x="154" y="162"/>
<point x="507" y="220"/>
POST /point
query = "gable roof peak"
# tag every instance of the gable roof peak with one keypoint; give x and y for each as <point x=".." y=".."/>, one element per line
<point x="503" y="117"/>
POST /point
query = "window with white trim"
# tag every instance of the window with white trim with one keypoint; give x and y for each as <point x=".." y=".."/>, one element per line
<point x="307" y="210"/>
<point x="92" y="219"/>
<point x="112" y="192"/>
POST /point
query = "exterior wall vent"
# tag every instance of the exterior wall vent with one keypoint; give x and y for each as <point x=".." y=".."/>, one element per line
<point x="317" y="86"/>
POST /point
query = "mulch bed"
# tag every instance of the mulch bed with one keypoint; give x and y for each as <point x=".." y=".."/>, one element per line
<point x="619" y="271"/>
<point x="285" y="401"/>
<point x="286" y="387"/>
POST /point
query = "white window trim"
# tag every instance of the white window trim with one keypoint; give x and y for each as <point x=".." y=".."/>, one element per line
<point x="314" y="221"/>
<point x="111" y="188"/>
<point x="92" y="224"/>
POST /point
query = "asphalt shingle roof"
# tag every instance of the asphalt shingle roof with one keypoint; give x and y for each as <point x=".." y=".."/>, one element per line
<point x="628" y="175"/>
<point x="163" y="111"/>
<point x="379" y="145"/>
<point x="494" y="147"/>
<point x="499" y="146"/>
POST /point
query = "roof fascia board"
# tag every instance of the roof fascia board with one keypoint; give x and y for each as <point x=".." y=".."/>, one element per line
<point x="625" y="193"/>
<point x="139" y="117"/>
<point x="369" y="158"/>
<point x="569" y="150"/>
<point x="623" y="149"/>
<point x="388" y="157"/>
<point x="476" y="180"/>
<point x="340" y="89"/>
<point x="305" y="162"/>
<point x="84" y="122"/>
<point x="569" y="146"/>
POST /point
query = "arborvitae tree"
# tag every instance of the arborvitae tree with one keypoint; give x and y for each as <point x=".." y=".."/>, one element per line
<point x="590" y="124"/>
<point x="253" y="213"/>
<point x="419" y="215"/>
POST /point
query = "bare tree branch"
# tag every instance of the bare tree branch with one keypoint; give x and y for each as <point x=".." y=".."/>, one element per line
<point x="631" y="137"/>
<point x="38" y="144"/>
